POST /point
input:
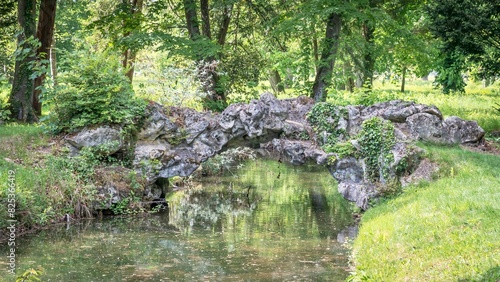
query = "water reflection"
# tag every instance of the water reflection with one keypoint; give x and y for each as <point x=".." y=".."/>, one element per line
<point x="255" y="226"/>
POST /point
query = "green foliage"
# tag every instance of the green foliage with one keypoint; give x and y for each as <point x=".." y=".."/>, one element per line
<point x="361" y="96"/>
<point x="341" y="150"/>
<point x="4" y="111"/>
<point x="45" y="191"/>
<point x="93" y="90"/>
<point x="214" y="105"/>
<point x="31" y="275"/>
<point x="324" y="118"/>
<point x="450" y="74"/>
<point x="84" y="164"/>
<point x="470" y="28"/>
<point x="29" y="67"/>
<point x="377" y="139"/>
<point x="130" y="204"/>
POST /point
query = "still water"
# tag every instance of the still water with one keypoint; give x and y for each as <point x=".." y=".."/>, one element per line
<point x="266" y="221"/>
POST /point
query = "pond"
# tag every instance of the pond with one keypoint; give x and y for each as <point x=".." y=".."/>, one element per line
<point x="266" y="221"/>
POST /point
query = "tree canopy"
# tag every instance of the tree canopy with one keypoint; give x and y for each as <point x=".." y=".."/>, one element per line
<point x="235" y="47"/>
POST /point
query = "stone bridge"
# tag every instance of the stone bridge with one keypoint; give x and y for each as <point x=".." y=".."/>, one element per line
<point x="175" y="141"/>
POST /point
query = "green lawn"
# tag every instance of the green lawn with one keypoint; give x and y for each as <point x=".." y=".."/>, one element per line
<point x="447" y="230"/>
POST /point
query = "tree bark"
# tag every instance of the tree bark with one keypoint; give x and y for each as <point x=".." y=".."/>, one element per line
<point x="403" y="79"/>
<point x="45" y="34"/>
<point x="21" y="96"/>
<point x="368" y="58"/>
<point x="349" y="83"/>
<point x="205" y="18"/>
<point x="129" y="55"/>
<point x="315" y="50"/>
<point x="224" y="27"/>
<point x="191" y="19"/>
<point x="327" y="60"/>
<point x="275" y="81"/>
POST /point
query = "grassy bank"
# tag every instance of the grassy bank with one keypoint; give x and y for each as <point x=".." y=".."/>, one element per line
<point x="447" y="230"/>
<point x="48" y="184"/>
<point x="44" y="192"/>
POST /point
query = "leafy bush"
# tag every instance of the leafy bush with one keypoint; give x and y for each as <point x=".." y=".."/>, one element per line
<point x="4" y="112"/>
<point x="4" y="96"/>
<point x="92" y="90"/>
<point x="324" y="118"/>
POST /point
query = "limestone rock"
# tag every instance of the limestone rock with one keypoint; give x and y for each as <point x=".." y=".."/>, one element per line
<point x="424" y="126"/>
<point x="109" y="136"/>
<point x="459" y="131"/>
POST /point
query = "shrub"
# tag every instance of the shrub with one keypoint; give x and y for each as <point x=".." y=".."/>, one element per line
<point x="4" y="96"/>
<point x="92" y="90"/>
<point x="324" y="118"/>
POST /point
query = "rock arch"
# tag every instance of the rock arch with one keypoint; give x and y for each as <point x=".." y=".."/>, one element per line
<point x="174" y="141"/>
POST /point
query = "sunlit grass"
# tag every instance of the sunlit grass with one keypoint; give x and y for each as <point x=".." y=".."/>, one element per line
<point x="443" y="231"/>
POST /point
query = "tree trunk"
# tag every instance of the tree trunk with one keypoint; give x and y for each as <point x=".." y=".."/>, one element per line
<point x="224" y="26"/>
<point x="205" y="18"/>
<point x="129" y="55"/>
<point x="275" y="81"/>
<point x="349" y="82"/>
<point x="191" y="19"/>
<point x="44" y="33"/>
<point x="21" y="96"/>
<point x="403" y="79"/>
<point x="315" y="49"/>
<point x="328" y="55"/>
<point x="368" y="58"/>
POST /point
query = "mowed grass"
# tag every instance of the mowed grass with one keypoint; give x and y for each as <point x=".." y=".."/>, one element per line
<point x="446" y="230"/>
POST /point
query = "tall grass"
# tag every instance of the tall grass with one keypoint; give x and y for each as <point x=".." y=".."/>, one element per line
<point x="442" y="231"/>
<point x="45" y="191"/>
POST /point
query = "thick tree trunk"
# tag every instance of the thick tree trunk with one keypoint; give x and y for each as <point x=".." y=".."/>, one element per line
<point x="275" y="81"/>
<point x="328" y="56"/>
<point x="45" y="34"/>
<point x="21" y="96"/>
<point x="191" y="19"/>
<point x="205" y="18"/>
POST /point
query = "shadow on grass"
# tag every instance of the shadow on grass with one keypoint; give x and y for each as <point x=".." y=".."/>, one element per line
<point x="492" y="275"/>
